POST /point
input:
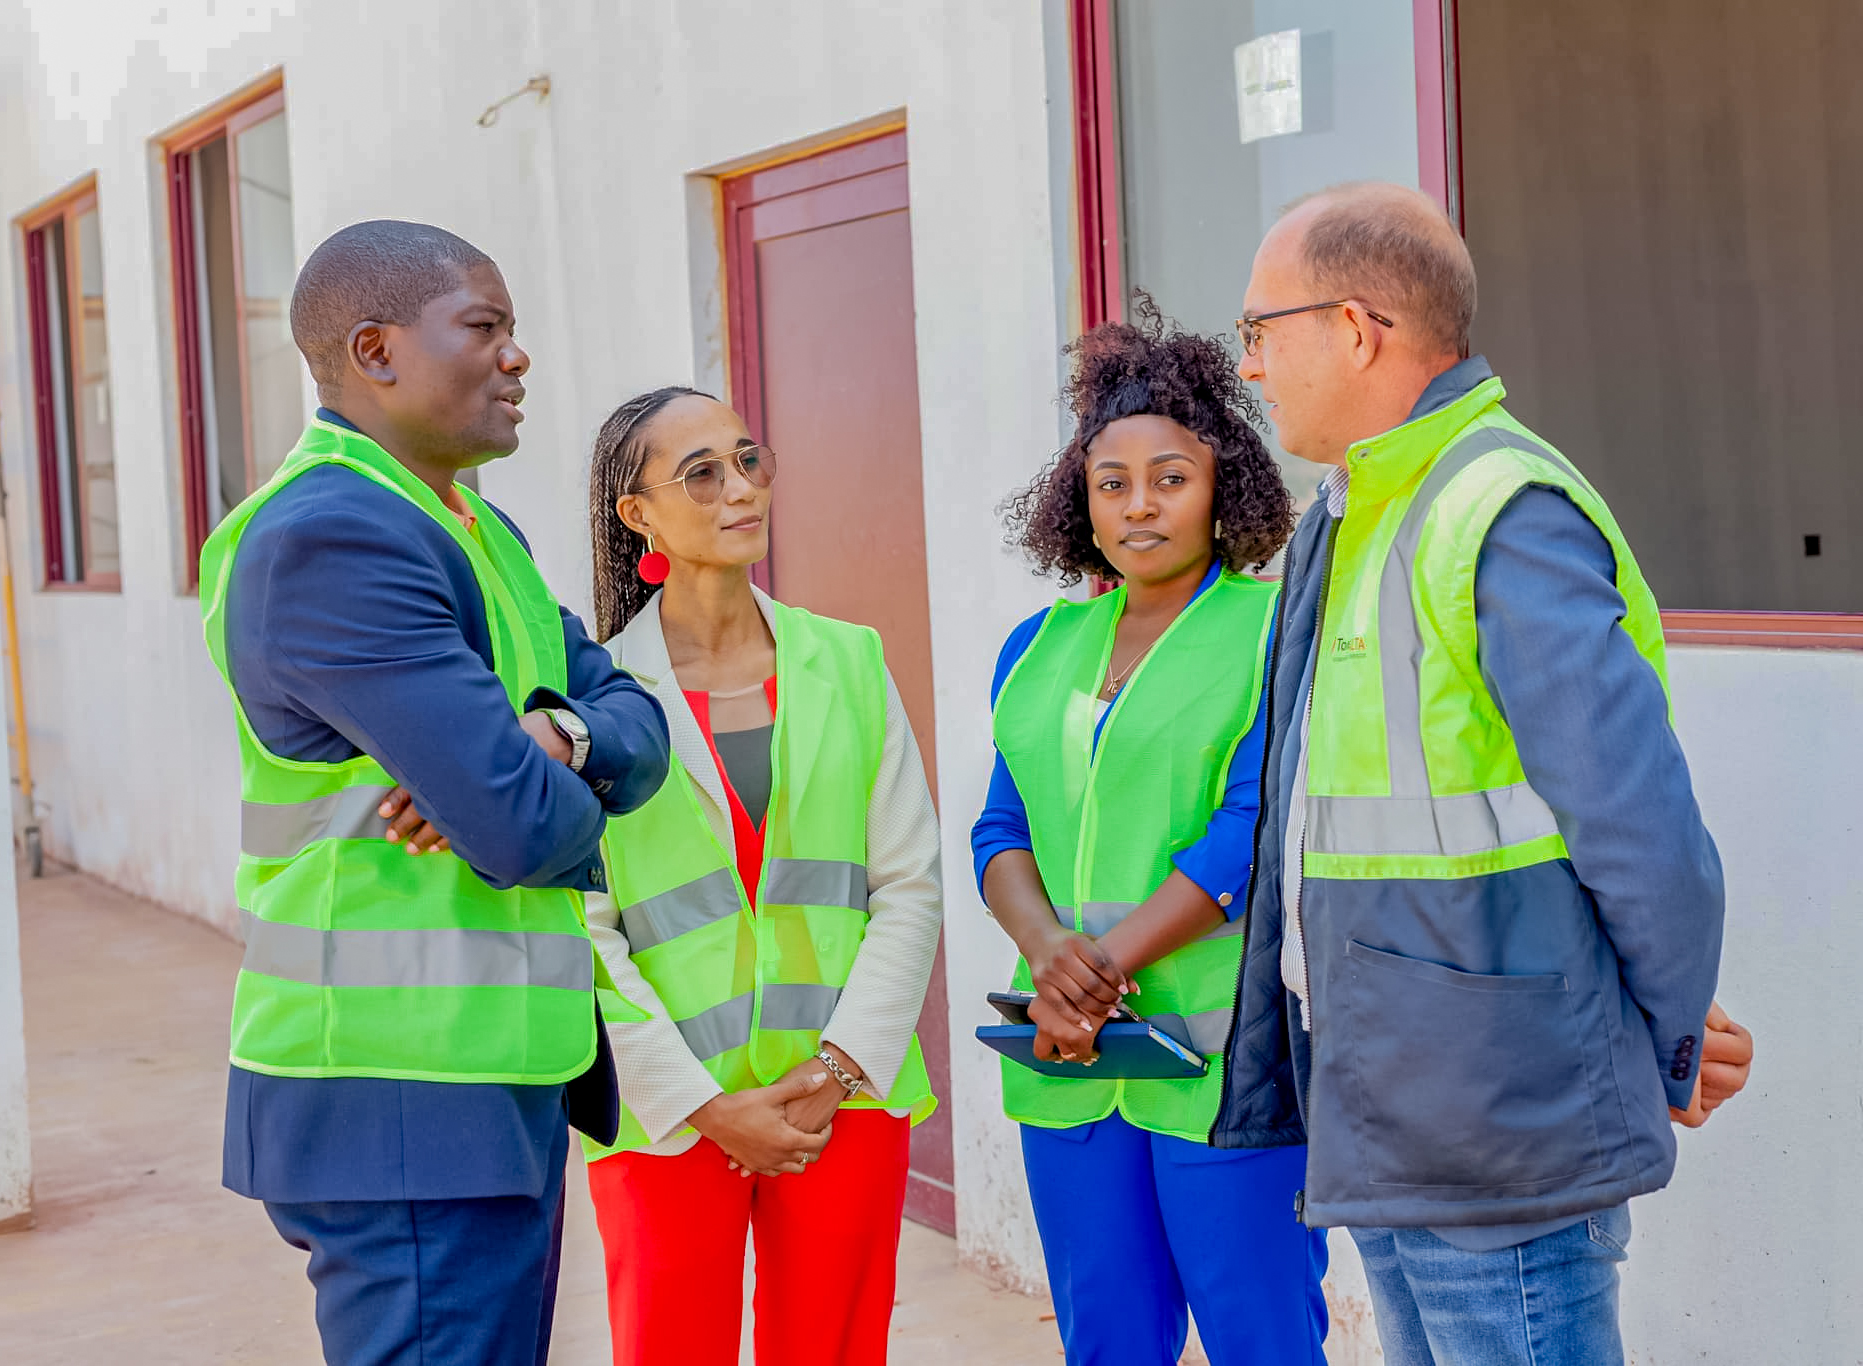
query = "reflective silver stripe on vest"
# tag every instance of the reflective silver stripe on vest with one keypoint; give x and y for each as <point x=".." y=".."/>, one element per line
<point x="1411" y="820"/>
<point x="1207" y="1031"/>
<point x="273" y="830"/>
<point x="815" y="882"/>
<point x="1470" y="823"/>
<point x="785" y="1006"/>
<point x="1097" y="917"/>
<point x="691" y="906"/>
<point x="416" y="958"/>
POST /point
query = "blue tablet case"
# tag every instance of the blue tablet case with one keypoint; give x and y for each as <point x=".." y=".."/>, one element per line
<point x="1128" y="1049"/>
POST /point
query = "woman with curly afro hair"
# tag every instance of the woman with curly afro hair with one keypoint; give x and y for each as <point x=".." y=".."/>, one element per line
<point x="1115" y="850"/>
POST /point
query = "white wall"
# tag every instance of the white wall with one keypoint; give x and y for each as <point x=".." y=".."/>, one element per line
<point x="15" y="1138"/>
<point x="1755" y="1253"/>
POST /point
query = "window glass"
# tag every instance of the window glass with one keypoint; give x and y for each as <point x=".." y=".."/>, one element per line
<point x="268" y="269"/>
<point x="1669" y="283"/>
<point x="217" y="314"/>
<point x="1196" y="197"/>
<point x="92" y="401"/>
<point x="71" y="395"/>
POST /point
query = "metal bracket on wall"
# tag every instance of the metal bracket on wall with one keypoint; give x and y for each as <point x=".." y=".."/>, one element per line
<point x="537" y="85"/>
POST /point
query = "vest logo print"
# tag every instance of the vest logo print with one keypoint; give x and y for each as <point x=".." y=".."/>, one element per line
<point x="1350" y="647"/>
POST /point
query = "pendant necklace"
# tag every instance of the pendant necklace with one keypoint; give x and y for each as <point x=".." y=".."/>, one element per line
<point x="1117" y="682"/>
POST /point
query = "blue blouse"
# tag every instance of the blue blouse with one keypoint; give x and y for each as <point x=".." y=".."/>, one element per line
<point x="1219" y="863"/>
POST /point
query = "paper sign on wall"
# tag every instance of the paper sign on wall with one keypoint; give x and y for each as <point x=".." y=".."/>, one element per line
<point x="1268" y="85"/>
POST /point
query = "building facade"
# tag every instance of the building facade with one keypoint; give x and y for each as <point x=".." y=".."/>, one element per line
<point x="873" y="226"/>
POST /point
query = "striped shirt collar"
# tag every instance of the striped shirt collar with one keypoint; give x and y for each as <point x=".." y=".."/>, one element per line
<point x="1333" y="490"/>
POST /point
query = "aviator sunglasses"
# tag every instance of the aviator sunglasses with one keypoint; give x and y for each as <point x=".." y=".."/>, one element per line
<point x="704" y="480"/>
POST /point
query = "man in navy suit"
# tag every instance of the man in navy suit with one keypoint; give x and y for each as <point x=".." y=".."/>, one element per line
<point x="355" y="625"/>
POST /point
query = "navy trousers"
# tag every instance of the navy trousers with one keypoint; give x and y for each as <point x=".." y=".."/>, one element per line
<point x="1140" y="1229"/>
<point x="434" y="1282"/>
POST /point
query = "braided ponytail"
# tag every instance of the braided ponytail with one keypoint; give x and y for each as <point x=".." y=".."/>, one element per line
<point x="621" y="452"/>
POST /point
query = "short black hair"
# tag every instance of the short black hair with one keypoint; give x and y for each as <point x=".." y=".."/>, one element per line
<point x="1150" y="365"/>
<point x="383" y="271"/>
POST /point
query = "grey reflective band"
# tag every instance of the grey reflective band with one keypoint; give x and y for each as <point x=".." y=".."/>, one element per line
<point x="815" y="882"/>
<point x="1097" y="917"/>
<point x="1469" y="823"/>
<point x="691" y="906"/>
<point x="1207" y="1031"/>
<point x="416" y="958"/>
<point x="720" y="1029"/>
<point x="799" y="1005"/>
<point x="786" y="1005"/>
<point x="272" y="830"/>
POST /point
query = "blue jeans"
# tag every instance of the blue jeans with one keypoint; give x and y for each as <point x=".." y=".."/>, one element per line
<point x="1137" y="1228"/>
<point x="1548" y="1302"/>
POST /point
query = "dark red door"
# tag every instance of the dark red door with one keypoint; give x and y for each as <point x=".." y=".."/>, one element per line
<point x="824" y="367"/>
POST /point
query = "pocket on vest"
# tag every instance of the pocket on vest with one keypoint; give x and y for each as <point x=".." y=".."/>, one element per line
<point x="1465" y="1080"/>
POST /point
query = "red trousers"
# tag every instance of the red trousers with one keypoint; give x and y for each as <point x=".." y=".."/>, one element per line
<point x="673" y="1231"/>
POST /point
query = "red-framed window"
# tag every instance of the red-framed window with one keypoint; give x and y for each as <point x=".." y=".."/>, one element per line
<point x="70" y="351"/>
<point x="1149" y="88"/>
<point x="233" y="263"/>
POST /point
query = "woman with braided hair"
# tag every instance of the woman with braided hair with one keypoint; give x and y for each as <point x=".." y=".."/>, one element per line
<point x="1115" y="851"/>
<point x="771" y="923"/>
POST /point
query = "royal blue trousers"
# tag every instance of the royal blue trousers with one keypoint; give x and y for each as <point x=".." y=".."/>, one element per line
<point x="1140" y="1229"/>
<point x="434" y="1282"/>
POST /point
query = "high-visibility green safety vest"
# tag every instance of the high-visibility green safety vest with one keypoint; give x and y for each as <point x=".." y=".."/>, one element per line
<point x="751" y="988"/>
<point x="360" y="960"/>
<point x="1105" y="820"/>
<point x="1411" y="768"/>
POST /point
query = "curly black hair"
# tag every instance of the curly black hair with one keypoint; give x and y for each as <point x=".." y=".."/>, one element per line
<point x="1153" y="366"/>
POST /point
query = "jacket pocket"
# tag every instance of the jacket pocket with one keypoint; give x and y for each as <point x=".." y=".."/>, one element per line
<point x="1466" y="1080"/>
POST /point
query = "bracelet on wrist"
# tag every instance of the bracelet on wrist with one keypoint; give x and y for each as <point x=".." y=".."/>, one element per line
<point x="847" y="1080"/>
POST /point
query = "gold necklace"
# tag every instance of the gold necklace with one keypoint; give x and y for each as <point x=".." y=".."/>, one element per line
<point x="1118" y="680"/>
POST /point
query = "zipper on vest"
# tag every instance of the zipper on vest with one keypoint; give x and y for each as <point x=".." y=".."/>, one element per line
<point x="1300" y="899"/>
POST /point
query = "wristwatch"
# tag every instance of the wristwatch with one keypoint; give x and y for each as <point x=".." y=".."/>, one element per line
<point x="568" y="725"/>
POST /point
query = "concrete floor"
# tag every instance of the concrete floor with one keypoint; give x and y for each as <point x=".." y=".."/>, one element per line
<point x="139" y="1255"/>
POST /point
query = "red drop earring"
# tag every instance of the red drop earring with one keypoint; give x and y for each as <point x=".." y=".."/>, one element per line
<point x="654" y="567"/>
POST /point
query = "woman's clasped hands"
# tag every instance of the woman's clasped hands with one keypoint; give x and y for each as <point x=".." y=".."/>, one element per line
<point x="756" y="1130"/>
<point x="1077" y="987"/>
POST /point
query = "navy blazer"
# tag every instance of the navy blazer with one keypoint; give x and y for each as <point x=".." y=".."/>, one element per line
<point x="355" y="625"/>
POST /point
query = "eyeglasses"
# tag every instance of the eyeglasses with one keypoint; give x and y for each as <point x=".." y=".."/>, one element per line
<point x="705" y="479"/>
<point x="1248" y="328"/>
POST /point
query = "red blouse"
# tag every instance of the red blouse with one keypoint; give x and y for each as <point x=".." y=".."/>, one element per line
<point x="747" y="834"/>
